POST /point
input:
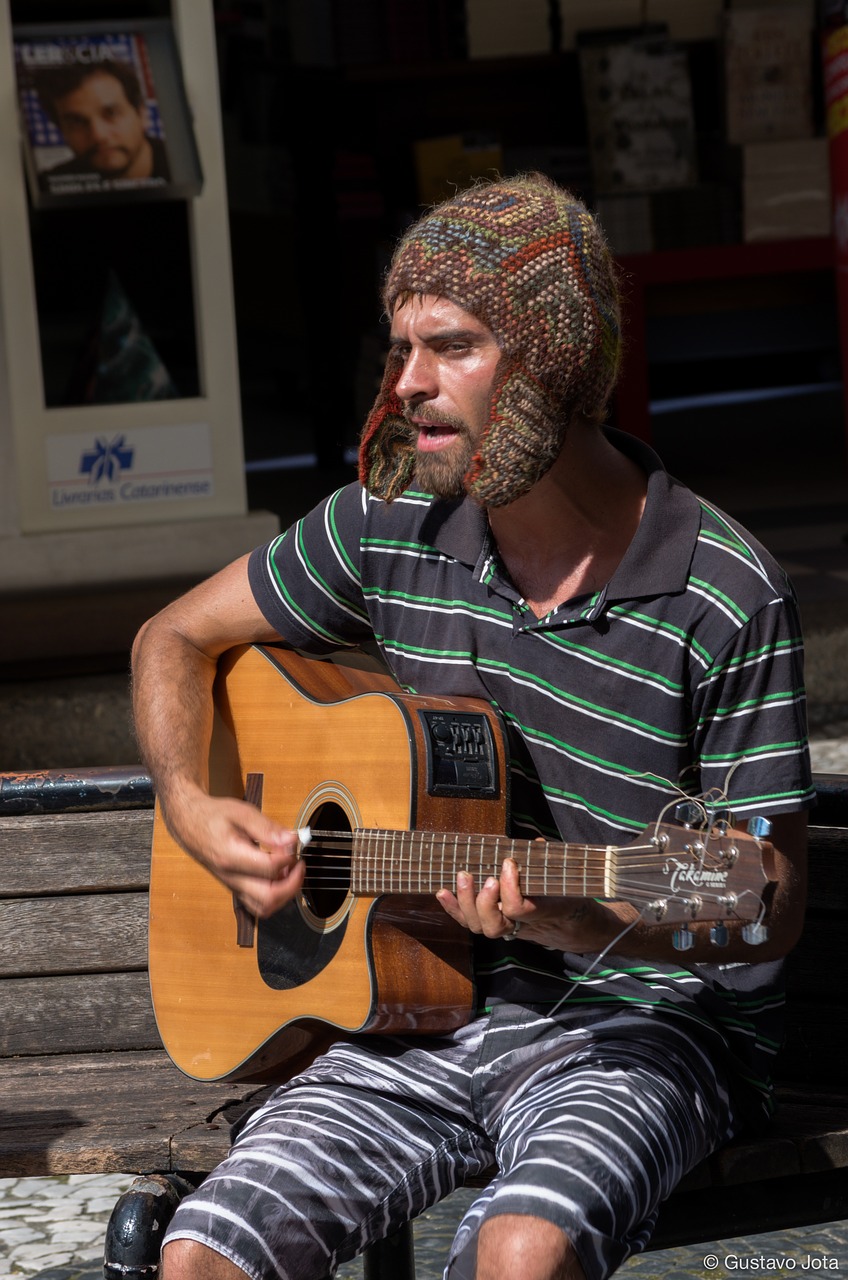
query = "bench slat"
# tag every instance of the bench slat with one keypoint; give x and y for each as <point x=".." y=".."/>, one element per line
<point x="111" y="1113"/>
<point x="91" y="933"/>
<point x="78" y="1014"/>
<point x="73" y="853"/>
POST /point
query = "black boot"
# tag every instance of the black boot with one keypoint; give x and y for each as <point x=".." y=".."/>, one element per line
<point x="137" y="1226"/>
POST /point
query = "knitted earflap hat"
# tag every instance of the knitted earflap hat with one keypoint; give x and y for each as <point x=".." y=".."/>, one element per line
<point x="525" y="257"/>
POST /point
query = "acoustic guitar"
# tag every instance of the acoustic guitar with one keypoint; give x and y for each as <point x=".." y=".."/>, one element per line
<point x="397" y="793"/>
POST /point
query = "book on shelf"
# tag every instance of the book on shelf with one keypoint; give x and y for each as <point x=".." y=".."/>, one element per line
<point x="641" y="125"/>
<point x="503" y="29"/>
<point x="768" y="73"/>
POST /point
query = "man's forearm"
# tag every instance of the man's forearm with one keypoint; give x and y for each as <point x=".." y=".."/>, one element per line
<point x="172" y="708"/>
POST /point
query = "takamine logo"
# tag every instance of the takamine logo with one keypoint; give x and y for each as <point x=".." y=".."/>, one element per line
<point x="106" y="460"/>
<point x="694" y="875"/>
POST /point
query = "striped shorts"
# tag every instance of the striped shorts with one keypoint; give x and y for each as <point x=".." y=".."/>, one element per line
<point x="590" y="1120"/>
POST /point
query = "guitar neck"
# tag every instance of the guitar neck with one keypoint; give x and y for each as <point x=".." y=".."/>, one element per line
<point x="410" y="862"/>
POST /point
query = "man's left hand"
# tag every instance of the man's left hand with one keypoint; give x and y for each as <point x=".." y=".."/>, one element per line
<point x="500" y="910"/>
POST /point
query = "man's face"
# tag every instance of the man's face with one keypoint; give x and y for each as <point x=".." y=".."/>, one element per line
<point x="446" y="384"/>
<point x="103" y="128"/>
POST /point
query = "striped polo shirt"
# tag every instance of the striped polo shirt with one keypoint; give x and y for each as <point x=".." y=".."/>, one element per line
<point x="684" y="673"/>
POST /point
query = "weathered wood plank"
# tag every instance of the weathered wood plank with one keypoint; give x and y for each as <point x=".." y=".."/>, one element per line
<point x="78" y="1014"/>
<point x="108" y="1113"/>
<point x="87" y="933"/>
<point x="75" y="853"/>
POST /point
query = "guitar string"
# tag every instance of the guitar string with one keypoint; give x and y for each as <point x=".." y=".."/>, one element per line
<point x="633" y="891"/>
<point x="643" y="858"/>
<point x="440" y="842"/>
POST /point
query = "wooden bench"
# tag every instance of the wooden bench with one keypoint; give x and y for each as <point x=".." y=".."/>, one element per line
<point x="88" y="1088"/>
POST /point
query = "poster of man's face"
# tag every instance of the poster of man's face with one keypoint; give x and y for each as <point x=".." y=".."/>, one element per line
<point x="91" y="114"/>
<point x="103" y="126"/>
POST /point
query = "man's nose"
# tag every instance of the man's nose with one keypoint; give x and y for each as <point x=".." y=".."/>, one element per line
<point x="417" y="379"/>
<point x="98" y="129"/>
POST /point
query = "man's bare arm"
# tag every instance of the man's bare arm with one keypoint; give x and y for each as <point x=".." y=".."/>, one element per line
<point x="174" y="663"/>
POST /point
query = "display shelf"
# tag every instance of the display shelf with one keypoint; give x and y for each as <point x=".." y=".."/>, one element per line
<point x="735" y="275"/>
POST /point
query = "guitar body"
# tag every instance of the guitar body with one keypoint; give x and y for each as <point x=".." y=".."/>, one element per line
<point x="329" y="746"/>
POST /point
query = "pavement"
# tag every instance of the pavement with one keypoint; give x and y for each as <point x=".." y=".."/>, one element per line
<point x="53" y="1228"/>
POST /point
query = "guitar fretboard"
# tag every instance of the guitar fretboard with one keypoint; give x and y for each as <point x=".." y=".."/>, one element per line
<point x="421" y="862"/>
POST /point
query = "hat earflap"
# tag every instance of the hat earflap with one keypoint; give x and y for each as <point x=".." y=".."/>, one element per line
<point x="387" y="444"/>
<point x="522" y="441"/>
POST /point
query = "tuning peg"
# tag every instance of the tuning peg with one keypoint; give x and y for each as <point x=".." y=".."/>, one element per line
<point x="755" y="933"/>
<point x="683" y="939"/>
<point x="719" y="935"/>
<point x="689" y="813"/>
<point x="720" y="821"/>
<point x="759" y="828"/>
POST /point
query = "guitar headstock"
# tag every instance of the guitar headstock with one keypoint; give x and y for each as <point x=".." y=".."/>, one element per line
<point x="680" y="873"/>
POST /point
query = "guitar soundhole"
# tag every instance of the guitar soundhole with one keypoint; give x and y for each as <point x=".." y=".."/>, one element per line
<point x="328" y="862"/>
<point x="299" y="941"/>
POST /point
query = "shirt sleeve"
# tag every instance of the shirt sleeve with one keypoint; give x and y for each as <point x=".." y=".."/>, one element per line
<point x="750" y="726"/>
<point x="307" y="581"/>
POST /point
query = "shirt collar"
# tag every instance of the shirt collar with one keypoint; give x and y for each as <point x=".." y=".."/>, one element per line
<point x="656" y="562"/>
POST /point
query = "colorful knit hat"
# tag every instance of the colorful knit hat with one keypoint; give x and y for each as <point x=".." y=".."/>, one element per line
<point x="526" y="258"/>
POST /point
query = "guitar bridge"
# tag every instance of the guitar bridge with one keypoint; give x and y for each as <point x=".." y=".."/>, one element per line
<point x="461" y="758"/>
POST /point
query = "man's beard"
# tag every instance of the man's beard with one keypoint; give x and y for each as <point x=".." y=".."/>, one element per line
<point x="443" y="472"/>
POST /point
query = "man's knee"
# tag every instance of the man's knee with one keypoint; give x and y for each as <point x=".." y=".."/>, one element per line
<point x="525" y="1248"/>
<point x="189" y="1260"/>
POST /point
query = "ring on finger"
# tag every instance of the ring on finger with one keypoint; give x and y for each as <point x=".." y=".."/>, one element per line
<point x="516" y="926"/>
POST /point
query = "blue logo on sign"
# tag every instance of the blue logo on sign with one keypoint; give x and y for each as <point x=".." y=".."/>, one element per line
<point x="106" y="460"/>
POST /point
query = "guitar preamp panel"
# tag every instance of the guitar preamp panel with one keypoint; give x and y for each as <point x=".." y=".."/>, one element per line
<point x="461" y="759"/>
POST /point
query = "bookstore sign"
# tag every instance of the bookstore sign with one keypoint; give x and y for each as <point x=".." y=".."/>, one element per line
<point x="87" y="471"/>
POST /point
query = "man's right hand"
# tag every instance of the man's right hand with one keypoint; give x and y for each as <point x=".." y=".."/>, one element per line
<point x="250" y="854"/>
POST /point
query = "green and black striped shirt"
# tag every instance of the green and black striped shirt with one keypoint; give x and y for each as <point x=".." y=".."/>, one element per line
<point x="684" y="673"/>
